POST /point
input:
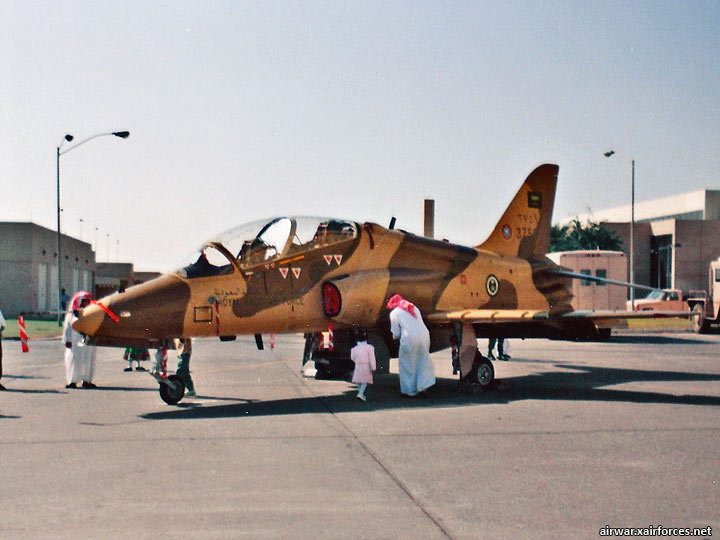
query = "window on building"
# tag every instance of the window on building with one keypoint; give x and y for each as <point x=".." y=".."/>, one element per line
<point x="601" y="273"/>
<point x="586" y="282"/>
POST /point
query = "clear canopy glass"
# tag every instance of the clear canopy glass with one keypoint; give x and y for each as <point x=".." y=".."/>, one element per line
<point x="259" y="242"/>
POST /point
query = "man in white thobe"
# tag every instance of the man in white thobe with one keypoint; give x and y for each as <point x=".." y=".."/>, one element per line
<point x="417" y="372"/>
<point x="79" y="357"/>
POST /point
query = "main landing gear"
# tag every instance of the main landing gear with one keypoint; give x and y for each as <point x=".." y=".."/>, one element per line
<point x="480" y="377"/>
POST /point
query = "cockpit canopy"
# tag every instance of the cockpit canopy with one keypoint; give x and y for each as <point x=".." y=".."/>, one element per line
<point x="260" y="242"/>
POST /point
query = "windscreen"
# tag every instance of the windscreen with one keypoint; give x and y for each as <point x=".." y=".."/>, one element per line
<point x="257" y="242"/>
<point x="206" y="262"/>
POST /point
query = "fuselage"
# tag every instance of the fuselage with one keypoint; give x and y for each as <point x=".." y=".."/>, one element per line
<point x="280" y="282"/>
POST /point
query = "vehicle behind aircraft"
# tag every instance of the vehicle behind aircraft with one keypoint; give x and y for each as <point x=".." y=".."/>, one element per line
<point x="705" y="305"/>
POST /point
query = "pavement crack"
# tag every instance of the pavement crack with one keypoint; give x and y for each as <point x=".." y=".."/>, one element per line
<point x="395" y="479"/>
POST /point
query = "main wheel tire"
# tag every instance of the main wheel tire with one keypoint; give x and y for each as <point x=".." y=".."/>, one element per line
<point x="173" y="392"/>
<point x="699" y="322"/>
<point x="604" y="334"/>
<point x="485" y="372"/>
<point x="322" y="371"/>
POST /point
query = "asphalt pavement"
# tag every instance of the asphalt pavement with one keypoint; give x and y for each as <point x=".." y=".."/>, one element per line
<point x="576" y="437"/>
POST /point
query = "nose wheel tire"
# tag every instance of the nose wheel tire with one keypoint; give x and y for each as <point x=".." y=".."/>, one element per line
<point x="172" y="389"/>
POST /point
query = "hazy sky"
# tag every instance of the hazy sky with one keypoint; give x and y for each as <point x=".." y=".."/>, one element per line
<point x="244" y="110"/>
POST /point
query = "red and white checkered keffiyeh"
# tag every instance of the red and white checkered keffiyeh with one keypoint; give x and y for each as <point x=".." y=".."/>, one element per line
<point x="398" y="301"/>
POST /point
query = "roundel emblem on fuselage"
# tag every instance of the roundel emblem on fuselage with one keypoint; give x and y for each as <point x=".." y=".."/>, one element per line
<point x="507" y="232"/>
<point x="492" y="285"/>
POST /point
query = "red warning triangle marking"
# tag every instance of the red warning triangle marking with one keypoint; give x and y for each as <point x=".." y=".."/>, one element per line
<point x="296" y="272"/>
<point x="338" y="258"/>
<point x="328" y="259"/>
<point x="284" y="272"/>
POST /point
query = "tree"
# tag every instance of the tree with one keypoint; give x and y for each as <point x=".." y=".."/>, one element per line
<point x="576" y="236"/>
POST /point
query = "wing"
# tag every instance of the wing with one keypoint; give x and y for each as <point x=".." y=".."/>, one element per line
<point x="610" y="318"/>
<point x="509" y="316"/>
<point x="488" y="316"/>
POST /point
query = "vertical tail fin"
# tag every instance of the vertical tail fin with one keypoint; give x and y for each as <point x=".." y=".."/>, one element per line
<point x="524" y="228"/>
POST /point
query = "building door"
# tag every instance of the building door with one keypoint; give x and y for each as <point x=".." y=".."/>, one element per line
<point x="661" y="261"/>
<point x="54" y="298"/>
<point x="42" y="288"/>
<point x="75" y="280"/>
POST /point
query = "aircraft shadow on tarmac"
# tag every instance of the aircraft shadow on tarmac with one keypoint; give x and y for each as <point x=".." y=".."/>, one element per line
<point x="10" y="390"/>
<point x="583" y="383"/>
<point x="657" y="340"/>
<point x="116" y="389"/>
<point x="25" y="377"/>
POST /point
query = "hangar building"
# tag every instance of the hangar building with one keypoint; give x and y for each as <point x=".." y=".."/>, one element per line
<point x="676" y="237"/>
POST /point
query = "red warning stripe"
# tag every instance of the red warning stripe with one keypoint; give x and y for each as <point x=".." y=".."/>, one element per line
<point x="106" y="310"/>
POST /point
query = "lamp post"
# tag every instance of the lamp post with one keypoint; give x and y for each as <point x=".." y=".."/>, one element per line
<point x="632" y="229"/>
<point x="60" y="152"/>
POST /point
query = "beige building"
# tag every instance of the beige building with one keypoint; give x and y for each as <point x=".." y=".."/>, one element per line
<point x="112" y="277"/>
<point x="675" y="238"/>
<point x="29" y="272"/>
<point x="29" y="268"/>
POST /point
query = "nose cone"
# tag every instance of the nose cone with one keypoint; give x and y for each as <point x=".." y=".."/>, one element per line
<point x="89" y="320"/>
<point x="150" y="311"/>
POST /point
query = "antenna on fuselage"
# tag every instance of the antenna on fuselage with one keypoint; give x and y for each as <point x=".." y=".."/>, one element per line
<point x="392" y="223"/>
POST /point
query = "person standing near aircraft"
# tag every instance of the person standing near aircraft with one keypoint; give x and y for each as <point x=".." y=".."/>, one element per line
<point x="500" y="349"/>
<point x="137" y="355"/>
<point x="2" y="327"/>
<point x="79" y="357"/>
<point x="363" y="354"/>
<point x="417" y="372"/>
<point x="183" y="346"/>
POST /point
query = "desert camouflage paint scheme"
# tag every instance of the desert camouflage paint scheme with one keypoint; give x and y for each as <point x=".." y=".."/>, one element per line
<point x="296" y="275"/>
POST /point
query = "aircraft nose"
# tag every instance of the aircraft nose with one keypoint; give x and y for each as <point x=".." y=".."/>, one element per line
<point x="153" y="310"/>
<point x="89" y="321"/>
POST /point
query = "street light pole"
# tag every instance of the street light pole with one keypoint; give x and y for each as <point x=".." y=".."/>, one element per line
<point x="69" y="138"/>
<point x="59" y="255"/>
<point x="632" y="230"/>
<point x="632" y="238"/>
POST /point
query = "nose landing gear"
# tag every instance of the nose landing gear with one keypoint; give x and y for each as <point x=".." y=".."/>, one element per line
<point x="172" y="389"/>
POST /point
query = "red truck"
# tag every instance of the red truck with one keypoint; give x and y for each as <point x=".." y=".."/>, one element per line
<point x="661" y="300"/>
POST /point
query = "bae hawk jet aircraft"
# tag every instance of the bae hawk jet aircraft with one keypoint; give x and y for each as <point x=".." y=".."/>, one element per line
<point x="305" y="275"/>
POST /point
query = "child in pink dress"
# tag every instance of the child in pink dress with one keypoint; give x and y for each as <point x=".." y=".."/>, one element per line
<point x="363" y="354"/>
